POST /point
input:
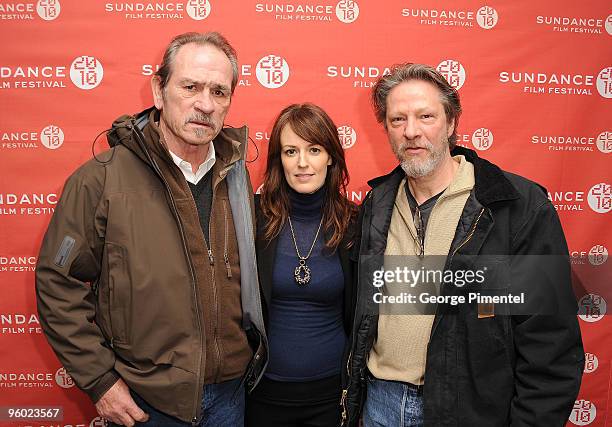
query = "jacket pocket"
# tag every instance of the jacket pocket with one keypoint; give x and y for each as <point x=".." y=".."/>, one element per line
<point x="120" y="293"/>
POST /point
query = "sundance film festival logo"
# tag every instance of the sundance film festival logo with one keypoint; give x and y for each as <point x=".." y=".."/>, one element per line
<point x="591" y="363"/>
<point x="47" y="10"/>
<point x="198" y="9"/>
<point x="453" y="71"/>
<point x="482" y="139"/>
<point x="583" y="413"/>
<point x="27" y="379"/>
<point x="272" y="71"/>
<point x="541" y="83"/>
<point x="575" y="143"/>
<point x="485" y="17"/>
<point x="17" y="264"/>
<point x="604" y="142"/>
<point x="592" y="308"/>
<point x="600" y="198"/>
<point x="345" y="11"/>
<point x="604" y="82"/>
<point x="347" y="136"/>
<point x="51" y="137"/>
<point x="598" y="255"/>
<point x="576" y="25"/>
<point x="19" y="324"/>
<point x="86" y="72"/>
<point x="27" y="203"/>
<point x="63" y="379"/>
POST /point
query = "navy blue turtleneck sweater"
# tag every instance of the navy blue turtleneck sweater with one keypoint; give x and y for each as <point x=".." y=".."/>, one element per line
<point x="306" y="332"/>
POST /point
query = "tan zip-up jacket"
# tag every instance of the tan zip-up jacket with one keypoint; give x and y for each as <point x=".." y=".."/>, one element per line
<point x="125" y="284"/>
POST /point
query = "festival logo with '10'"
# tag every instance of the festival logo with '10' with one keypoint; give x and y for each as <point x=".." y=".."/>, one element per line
<point x="347" y="136"/>
<point x="600" y="198"/>
<point x="159" y="9"/>
<point x="583" y="413"/>
<point x="85" y="72"/>
<point x="47" y="10"/>
<point x="272" y="71"/>
<point x="345" y="11"/>
<point x="486" y="17"/>
<point x="453" y="71"/>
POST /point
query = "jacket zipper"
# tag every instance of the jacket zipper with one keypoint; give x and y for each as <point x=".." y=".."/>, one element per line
<point x="174" y="209"/>
<point x="470" y="234"/>
<point x="225" y="255"/>
<point x="345" y="391"/>
<point x="111" y="292"/>
<point x="215" y="295"/>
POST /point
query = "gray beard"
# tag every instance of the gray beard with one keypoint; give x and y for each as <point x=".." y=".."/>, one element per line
<point x="415" y="168"/>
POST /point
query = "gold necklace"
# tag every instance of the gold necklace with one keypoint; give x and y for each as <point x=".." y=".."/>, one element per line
<point x="302" y="268"/>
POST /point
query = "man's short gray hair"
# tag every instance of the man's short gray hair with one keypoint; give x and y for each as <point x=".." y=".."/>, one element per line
<point x="405" y="72"/>
<point x="211" y="38"/>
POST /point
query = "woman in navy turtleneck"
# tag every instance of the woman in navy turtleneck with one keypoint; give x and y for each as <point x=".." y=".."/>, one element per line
<point x="304" y="228"/>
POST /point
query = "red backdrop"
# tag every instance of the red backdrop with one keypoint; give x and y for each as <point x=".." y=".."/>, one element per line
<point x="535" y="80"/>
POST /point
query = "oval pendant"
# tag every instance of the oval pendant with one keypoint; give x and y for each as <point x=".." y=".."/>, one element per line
<point x="302" y="273"/>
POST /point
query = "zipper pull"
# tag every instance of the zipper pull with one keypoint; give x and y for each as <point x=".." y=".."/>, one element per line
<point x="210" y="257"/>
<point x="343" y="404"/>
<point x="227" y="267"/>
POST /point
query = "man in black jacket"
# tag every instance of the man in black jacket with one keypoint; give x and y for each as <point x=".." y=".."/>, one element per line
<point x="465" y="313"/>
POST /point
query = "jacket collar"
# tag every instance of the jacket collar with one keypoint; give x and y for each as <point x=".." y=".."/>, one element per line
<point x="491" y="183"/>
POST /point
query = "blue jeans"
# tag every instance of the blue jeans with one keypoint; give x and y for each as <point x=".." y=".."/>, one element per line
<point x="392" y="404"/>
<point x="222" y="406"/>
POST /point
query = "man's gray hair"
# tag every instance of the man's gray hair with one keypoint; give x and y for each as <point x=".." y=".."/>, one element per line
<point x="405" y="72"/>
<point x="211" y="38"/>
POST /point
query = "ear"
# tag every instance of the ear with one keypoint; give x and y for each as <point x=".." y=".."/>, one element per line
<point x="330" y="161"/>
<point x="158" y="92"/>
<point x="451" y="128"/>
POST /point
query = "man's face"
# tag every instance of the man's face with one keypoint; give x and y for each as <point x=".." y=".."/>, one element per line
<point x="417" y="127"/>
<point x="196" y="99"/>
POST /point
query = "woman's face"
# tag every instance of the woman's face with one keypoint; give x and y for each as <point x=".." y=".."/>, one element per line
<point x="304" y="163"/>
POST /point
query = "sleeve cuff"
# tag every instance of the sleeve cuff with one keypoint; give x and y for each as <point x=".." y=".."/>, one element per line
<point x="102" y="385"/>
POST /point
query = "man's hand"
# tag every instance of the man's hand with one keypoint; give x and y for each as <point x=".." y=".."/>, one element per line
<point x="117" y="405"/>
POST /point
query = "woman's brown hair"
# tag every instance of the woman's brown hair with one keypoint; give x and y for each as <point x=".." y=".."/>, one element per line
<point x="312" y="124"/>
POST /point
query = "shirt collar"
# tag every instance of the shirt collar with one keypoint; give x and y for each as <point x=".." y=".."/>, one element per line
<point x="206" y="166"/>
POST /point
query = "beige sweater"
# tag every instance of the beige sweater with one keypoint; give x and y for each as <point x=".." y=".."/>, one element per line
<point x="400" y="350"/>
